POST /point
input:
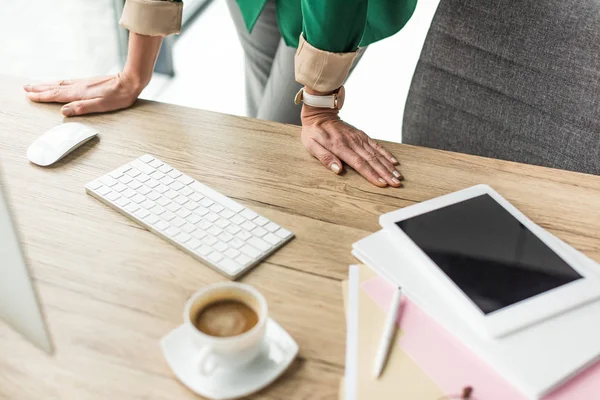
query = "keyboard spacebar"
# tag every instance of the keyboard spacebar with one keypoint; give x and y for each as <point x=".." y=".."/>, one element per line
<point x="216" y="196"/>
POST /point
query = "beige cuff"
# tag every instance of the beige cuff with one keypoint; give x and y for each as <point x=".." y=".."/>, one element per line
<point x="321" y="70"/>
<point x="152" y="17"/>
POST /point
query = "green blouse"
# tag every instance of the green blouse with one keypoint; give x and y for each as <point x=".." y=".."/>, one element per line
<point x="337" y="26"/>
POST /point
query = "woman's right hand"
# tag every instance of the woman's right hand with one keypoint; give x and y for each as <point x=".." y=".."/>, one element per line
<point x="89" y="95"/>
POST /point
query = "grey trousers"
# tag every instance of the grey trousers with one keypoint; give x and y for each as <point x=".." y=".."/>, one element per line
<point x="515" y="80"/>
<point x="270" y="83"/>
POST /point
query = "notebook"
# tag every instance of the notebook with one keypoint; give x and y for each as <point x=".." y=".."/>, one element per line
<point x="525" y="361"/>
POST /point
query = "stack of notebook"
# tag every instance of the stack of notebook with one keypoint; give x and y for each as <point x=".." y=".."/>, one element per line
<point x="434" y="355"/>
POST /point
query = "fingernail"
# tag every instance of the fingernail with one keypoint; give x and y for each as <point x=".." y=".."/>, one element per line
<point x="397" y="174"/>
<point x="27" y="87"/>
<point x="382" y="181"/>
<point x="67" y="111"/>
<point x="335" y="168"/>
<point x="394" y="160"/>
<point x="396" y="181"/>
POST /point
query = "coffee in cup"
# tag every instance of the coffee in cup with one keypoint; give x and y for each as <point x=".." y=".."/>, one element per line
<point x="224" y="318"/>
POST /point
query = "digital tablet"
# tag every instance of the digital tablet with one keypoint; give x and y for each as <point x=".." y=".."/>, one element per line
<point x="490" y="260"/>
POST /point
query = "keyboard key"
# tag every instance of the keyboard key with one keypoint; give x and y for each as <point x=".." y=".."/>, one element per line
<point x="216" y="208"/>
<point x="215" y="257"/>
<point x="172" y="231"/>
<point x="173" y="207"/>
<point x="155" y="164"/>
<point x="209" y="240"/>
<point x="230" y="266"/>
<point x="204" y="225"/>
<point x="157" y="175"/>
<point x="171" y="194"/>
<point x="207" y="202"/>
<point x="249" y="226"/>
<point x="178" y="222"/>
<point x="220" y="247"/>
<point x="103" y="190"/>
<point x="163" y="201"/>
<point x="214" y="230"/>
<point x="143" y="178"/>
<point x="122" y="201"/>
<point x="144" y="190"/>
<point x="260" y="221"/>
<point x="152" y="183"/>
<point x="233" y="229"/>
<point x="161" y="188"/>
<point x="259" y="232"/>
<point x="191" y="205"/>
<point x="176" y="185"/>
<point x="132" y="207"/>
<point x="153" y="196"/>
<point x="196" y="197"/>
<point x="283" y="233"/>
<point x="157" y="210"/>
<point x="108" y="181"/>
<point x="183" y="213"/>
<point x="193" y="244"/>
<point x="112" y="196"/>
<point x="226" y="237"/>
<point x="186" y="180"/>
<point x="250" y="251"/>
<point x="182" y="237"/>
<point x="148" y="204"/>
<point x="167" y="215"/>
<point x="174" y="174"/>
<point x="166" y="180"/>
<point x="146" y="158"/>
<point x="232" y="253"/>
<point x="143" y="167"/>
<point x="259" y="243"/>
<point x="119" y="187"/>
<point x="151" y="219"/>
<point x="272" y="227"/>
<point x="204" y="250"/>
<point x="141" y="213"/>
<point x="188" y="228"/>
<point x="237" y="243"/>
<point x="249" y="214"/>
<point x="212" y="217"/>
<point x="138" y="198"/>
<point x="244" y="260"/>
<point x="199" y="234"/>
<point x="244" y="235"/>
<point x="116" y="174"/>
<point x="273" y="239"/>
<point x="216" y="196"/>
<point x="226" y="213"/>
<point x="222" y="223"/>
<point x="186" y="191"/>
<point x="135" y="185"/>
<point x="165" y="168"/>
<point x="133" y="172"/>
<point x="194" y="219"/>
<point x="201" y="211"/>
<point x="181" y="200"/>
<point x="162" y="225"/>
<point x="129" y="193"/>
<point x="125" y="179"/>
<point x="238" y="219"/>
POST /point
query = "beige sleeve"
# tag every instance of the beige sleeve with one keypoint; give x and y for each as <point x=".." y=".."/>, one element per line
<point x="321" y="70"/>
<point x="152" y="17"/>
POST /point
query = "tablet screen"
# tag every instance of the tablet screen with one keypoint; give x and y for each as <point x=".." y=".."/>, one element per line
<point x="493" y="258"/>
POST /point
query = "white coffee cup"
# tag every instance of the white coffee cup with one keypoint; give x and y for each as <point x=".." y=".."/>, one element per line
<point x="226" y="352"/>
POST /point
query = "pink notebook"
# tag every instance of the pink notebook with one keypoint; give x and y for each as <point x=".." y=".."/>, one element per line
<point x="452" y="366"/>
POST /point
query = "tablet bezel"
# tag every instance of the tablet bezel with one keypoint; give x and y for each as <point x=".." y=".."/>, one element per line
<point x="516" y="316"/>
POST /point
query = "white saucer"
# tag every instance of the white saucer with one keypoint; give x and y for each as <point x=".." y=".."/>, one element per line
<point x="279" y="350"/>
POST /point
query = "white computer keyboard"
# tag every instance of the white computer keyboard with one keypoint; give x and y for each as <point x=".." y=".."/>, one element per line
<point x="199" y="220"/>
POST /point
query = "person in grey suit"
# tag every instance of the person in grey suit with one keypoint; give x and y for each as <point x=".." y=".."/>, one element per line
<point x="514" y="80"/>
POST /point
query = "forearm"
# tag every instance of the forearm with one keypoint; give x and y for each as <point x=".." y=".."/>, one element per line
<point x="141" y="57"/>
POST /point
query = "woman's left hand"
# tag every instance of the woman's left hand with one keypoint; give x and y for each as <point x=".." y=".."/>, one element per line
<point x="331" y="141"/>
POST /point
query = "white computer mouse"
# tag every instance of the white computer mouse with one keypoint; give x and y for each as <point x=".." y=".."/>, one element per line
<point x="58" y="142"/>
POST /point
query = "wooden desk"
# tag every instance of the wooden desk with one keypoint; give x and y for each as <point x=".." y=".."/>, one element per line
<point x="111" y="290"/>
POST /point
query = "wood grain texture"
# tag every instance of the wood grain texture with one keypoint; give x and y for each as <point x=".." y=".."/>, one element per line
<point x="111" y="290"/>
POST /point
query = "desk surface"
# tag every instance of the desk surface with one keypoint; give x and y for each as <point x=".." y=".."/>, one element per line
<point x="111" y="290"/>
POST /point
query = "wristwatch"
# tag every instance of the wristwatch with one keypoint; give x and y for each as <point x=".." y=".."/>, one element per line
<point x="333" y="101"/>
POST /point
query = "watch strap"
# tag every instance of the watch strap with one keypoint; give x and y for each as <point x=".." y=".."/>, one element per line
<point x="327" y="101"/>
